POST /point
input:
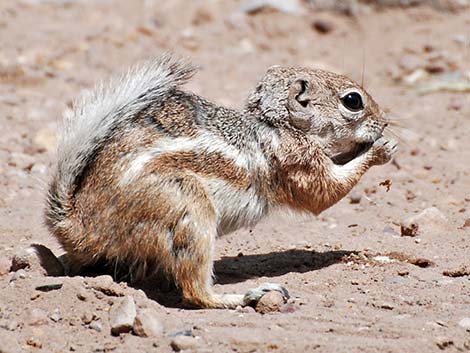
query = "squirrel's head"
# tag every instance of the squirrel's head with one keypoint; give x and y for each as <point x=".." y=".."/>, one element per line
<point x="322" y="105"/>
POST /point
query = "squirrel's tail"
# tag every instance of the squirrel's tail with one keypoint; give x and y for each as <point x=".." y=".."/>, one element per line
<point x="95" y="116"/>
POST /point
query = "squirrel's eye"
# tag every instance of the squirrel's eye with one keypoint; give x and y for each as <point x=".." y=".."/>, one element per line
<point x="353" y="101"/>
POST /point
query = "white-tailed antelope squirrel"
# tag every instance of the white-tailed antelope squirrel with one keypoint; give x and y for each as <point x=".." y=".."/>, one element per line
<point x="149" y="175"/>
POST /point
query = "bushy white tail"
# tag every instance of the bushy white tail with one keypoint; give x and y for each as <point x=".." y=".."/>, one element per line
<point x="98" y="112"/>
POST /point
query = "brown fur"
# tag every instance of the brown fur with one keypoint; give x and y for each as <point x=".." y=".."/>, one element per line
<point x="207" y="165"/>
<point x="196" y="166"/>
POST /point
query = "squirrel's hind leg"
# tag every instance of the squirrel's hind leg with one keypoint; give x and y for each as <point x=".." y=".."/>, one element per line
<point x="193" y="274"/>
<point x="191" y="247"/>
<point x="193" y="250"/>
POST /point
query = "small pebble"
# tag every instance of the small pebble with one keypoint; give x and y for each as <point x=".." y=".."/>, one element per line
<point x="387" y="306"/>
<point x="34" y="342"/>
<point x="148" y="324"/>
<point x="181" y="333"/>
<point x="460" y="39"/>
<point x="37" y="317"/>
<point x="5" y="264"/>
<point x="465" y="323"/>
<point x="106" y="285"/>
<point x="436" y="68"/>
<point x="20" y="274"/>
<point x="355" y="197"/>
<point x="35" y="296"/>
<point x="87" y="318"/>
<point x="270" y="302"/>
<point x="443" y="342"/>
<point x="49" y="287"/>
<point x="96" y="325"/>
<point x="39" y="258"/>
<point x="122" y="315"/>
<point x="323" y="26"/>
<point x="11" y="325"/>
<point x="429" y="221"/>
<point x="55" y="316"/>
<point x="180" y="343"/>
<point x="82" y="295"/>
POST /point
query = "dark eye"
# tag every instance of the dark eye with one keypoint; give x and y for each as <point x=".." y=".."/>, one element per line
<point x="353" y="101"/>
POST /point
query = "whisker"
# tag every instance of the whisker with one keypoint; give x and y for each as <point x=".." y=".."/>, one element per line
<point x="363" y="66"/>
<point x="396" y="122"/>
<point x="400" y="136"/>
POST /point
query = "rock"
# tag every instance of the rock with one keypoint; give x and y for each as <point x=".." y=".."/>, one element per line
<point x="5" y="265"/>
<point x="409" y="228"/>
<point x="148" y="324"/>
<point x="87" y="318"/>
<point x="465" y="323"/>
<point x="20" y="274"/>
<point x="387" y="306"/>
<point x="40" y="258"/>
<point x="458" y="272"/>
<point x="96" y="325"/>
<point x="23" y="259"/>
<point x="49" y="287"/>
<point x="436" y="68"/>
<point x="122" y="316"/>
<point x="181" y="333"/>
<point x="420" y="262"/>
<point x="9" y="325"/>
<point x="39" y="168"/>
<point x="443" y="342"/>
<point x="105" y="284"/>
<point x="270" y="302"/>
<point x="460" y="39"/>
<point x="323" y="26"/>
<point x="55" y="316"/>
<point x="37" y="317"/>
<point x="429" y="221"/>
<point x="34" y="342"/>
<point x="82" y="295"/>
<point x="355" y="197"/>
<point x="180" y="343"/>
<point x="382" y="259"/>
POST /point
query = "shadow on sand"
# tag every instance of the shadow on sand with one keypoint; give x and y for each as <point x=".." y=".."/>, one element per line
<point x="237" y="269"/>
<point x="228" y="270"/>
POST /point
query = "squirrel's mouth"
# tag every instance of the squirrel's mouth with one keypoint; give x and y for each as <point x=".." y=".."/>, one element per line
<point x="346" y="157"/>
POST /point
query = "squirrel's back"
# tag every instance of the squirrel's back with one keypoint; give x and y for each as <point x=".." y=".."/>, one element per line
<point x="95" y="118"/>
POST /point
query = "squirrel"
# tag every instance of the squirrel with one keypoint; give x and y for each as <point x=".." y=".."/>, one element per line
<point x="149" y="174"/>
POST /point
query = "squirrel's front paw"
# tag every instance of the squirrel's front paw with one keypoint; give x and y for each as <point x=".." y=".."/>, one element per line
<point x="382" y="151"/>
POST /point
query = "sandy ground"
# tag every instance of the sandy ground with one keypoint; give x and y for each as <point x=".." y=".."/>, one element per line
<point x="357" y="285"/>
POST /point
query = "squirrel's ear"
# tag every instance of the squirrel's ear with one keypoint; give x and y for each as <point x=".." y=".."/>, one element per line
<point x="300" y="96"/>
<point x="299" y="90"/>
